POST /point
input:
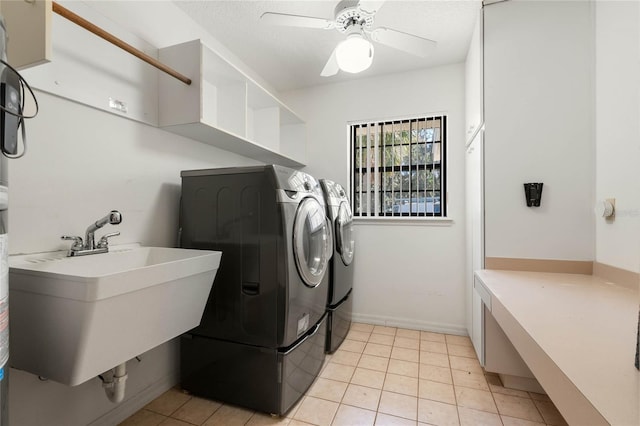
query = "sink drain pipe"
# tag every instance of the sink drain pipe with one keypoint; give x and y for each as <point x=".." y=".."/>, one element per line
<point x="114" y="381"/>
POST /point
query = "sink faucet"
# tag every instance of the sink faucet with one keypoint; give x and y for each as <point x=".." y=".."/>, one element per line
<point x="78" y="248"/>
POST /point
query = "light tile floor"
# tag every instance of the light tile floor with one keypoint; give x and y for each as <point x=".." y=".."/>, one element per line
<point x="380" y="376"/>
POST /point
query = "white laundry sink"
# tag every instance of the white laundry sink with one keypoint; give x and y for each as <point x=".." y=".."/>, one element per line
<point x="73" y="318"/>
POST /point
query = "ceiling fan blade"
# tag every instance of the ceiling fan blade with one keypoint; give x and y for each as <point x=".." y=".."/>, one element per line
<point x="331" y="67"/>
<point x="296" y="21"/>
<point x="409" y="43"/>
<point x="370" y="6"/>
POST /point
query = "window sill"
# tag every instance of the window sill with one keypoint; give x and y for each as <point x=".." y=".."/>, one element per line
<point x="401" y="221"/>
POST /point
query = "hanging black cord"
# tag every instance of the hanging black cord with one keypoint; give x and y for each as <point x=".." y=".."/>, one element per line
<point x="21" y="117"/>
<point x="23" y="83"/>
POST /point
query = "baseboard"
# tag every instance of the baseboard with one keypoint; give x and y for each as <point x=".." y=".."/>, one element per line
<point x="412" y="324"/>
<point x="622" y="277"/>
<point x="134" y="403"/>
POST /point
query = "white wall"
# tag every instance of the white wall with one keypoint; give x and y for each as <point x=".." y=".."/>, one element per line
<point x="538" y="94"/>
<point x="409" y="274"/>
<point x="81" y="163"/>
<point x="618" y="131"/>
<point x="34" y="402"/>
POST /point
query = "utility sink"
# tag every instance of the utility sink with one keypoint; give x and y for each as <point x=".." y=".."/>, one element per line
<point x="73" y="318"/>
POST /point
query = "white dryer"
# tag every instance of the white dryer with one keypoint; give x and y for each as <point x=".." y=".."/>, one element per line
<point x="340" y="300"/>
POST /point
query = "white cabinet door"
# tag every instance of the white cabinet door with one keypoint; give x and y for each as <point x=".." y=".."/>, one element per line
<point x="473" y="82"/>
<point x="475" y="238"/>
<point x="473" y="121"/>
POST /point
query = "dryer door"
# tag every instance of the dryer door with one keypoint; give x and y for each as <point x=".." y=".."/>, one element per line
<point x="312" y="246"/>
<point x="344" y="233"/>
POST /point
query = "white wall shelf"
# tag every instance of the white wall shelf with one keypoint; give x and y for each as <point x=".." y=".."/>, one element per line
<point x="225" y="108"/>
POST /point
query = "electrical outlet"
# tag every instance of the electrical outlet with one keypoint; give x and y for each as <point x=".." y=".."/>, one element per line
<point x="118" y="105"/>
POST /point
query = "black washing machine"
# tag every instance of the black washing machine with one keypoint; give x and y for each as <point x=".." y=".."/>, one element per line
<point x="340" y="301"/>
<point x="261" y="340"/>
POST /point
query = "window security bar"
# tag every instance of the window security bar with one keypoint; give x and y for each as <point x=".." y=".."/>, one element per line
<point x="398" y="167"/>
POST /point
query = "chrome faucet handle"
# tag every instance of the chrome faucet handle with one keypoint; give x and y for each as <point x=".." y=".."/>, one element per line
<point x="77" y="241"/>
<point x="104" y="242"/>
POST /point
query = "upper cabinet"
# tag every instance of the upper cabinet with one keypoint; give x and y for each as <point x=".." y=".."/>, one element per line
<point x="225" y="108"/>
<point x="474" y="82"/>
<point x="28" y="25"/>
<point x="539" y="127"/>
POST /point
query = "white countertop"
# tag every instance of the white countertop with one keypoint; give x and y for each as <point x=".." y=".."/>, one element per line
<point x="578" y="326"/>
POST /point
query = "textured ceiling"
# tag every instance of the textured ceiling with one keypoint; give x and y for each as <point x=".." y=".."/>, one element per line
<point x="290" y="58"/>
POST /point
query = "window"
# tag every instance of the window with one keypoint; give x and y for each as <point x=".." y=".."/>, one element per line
<point x="398" y="167"/>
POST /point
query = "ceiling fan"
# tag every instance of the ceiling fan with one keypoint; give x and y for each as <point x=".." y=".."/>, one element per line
<point x="355" y="19"/>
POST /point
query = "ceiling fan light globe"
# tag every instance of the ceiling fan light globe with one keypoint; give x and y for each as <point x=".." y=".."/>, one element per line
<point x="355" y="54"/>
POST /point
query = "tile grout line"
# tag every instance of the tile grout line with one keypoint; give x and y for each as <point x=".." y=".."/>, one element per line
<point x="375" y="419"/>
<point x="538" y="409"/>
<point x="493" y="397"/>
<point x="345" y="391"/>
<point x="350" y="383"/>
<point x="385" y="376"/>
<point x="455" y="397"/>
<point x="385" y="379"/>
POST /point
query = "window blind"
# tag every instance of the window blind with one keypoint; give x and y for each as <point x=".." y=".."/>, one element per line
<point x="398" y="167"/>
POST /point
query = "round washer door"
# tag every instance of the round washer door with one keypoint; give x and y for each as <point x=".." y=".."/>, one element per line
<point x="344" y="234"/>
<point x="311" y="241"/>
